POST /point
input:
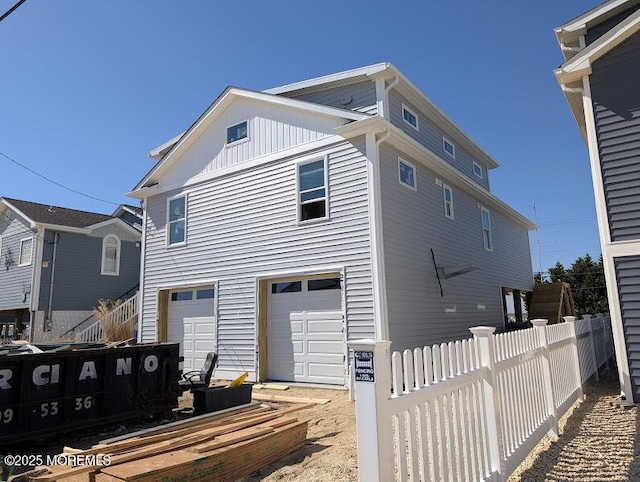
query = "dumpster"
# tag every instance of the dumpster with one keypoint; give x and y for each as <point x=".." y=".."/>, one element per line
<point x="48" y="393"/>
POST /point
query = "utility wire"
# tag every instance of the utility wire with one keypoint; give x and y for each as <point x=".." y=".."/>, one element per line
<point x="57" y="183"/>
<point x="11" y="10"/>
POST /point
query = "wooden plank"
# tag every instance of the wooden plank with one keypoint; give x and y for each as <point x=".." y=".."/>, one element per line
<point x="227" y="463"/>
<point x="231" y="438"/>
<point x="264" y="397"/>
<point x="276" y="386"/>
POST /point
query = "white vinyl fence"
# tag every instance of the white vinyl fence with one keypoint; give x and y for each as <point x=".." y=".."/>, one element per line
<point x="474" y="409"/>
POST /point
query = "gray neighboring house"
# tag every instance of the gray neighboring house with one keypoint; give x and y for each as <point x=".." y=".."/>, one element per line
<point x="56" y="263"/>
<point x="600" y="79"/>
<point x="284" y="223"/>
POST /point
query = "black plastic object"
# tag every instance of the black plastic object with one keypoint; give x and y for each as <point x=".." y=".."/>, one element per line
<point x="212" y="399"/>
<point x="199" y="378"/>
<point x="49" y="393"/>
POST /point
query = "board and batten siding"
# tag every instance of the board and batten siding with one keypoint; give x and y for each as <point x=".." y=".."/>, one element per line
<point x="362" y="95"/>
<point x="78" y="283"/>
<point x="430" y="136"/>
<point x="615" y="94"/>
<point x="14" y="279"/>
<point x="244" y="225"/>
<point x="271" y="128"/>
<point x="628" y="278"/>
<point x="413" y="223"/>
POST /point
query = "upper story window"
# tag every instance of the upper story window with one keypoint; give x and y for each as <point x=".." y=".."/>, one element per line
<point x="237" y="132"/>
<point x="111" y="255"/>
<point x="410" y="117"/>
<point x="486" y="229"/>
<point x="312" y="190"/>
<point x="448" y="201"/>
<point x="477" y="170"/>
<point x="177" y="221"/>
<point x="26" y="251"/>
<point x="406" y="173"/>
<point x="449" y="147"/>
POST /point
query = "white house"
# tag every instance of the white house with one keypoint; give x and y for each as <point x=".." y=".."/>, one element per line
<point x="283" y="223"/>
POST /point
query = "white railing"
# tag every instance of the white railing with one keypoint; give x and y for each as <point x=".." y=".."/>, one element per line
<point x="123" y="313"/>
<point x="473" y="409"/>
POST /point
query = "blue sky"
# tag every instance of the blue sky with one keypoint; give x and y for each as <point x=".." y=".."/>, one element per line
<point x="88" y="88"/>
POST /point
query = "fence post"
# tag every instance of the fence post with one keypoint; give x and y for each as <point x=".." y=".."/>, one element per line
<point x="372" y="373"/>
<point x="571" y="320"/>
<point x="495" y="443"/>
<point x="588" y="319"/>
<point x="540" y="326"/>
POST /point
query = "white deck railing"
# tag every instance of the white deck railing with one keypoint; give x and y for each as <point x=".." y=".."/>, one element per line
<point x="119" y="315"/>
<point x="474" y="409"/>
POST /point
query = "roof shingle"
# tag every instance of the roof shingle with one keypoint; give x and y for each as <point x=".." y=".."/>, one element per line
<point x="47" y="214"/>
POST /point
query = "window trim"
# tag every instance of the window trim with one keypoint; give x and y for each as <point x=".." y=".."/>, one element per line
<point x="104" y="250"/>
<point x="446" y="141"/>
<point x="446" y="187"/>
<point x="299" y="203"/>
<point x="239" y="141"/>
<point x="22" y="241"/>
<point x="186" y="217"/>
<point x="415" y="171"/>
<point x="481" y="175"/>
<point x="482" y="211"/>
<point x="410" y="111"/>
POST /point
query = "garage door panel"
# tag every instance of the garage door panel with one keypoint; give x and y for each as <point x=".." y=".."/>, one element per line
<point x="324" y="370"/>
<point x="324" y="347"/>
<point x="297" y="327"/>
<point x="324" y="326"/>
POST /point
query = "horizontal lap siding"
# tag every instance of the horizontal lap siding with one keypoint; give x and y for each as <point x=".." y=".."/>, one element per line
<point x="430" y="136"/>
<point x="628" y="278"/>
<point x="14" y="279"/>
<point x="245" y="225"/>
<point x="362" y="94"/>
<point x="413" y="224"/>
<point x="616" y="102"/>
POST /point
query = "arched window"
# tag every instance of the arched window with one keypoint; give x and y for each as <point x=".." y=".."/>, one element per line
<point x="111" y="255"/>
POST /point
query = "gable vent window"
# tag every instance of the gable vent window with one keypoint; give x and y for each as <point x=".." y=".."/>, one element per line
<point x="111" y="255"/>
<point x="26" y="251"/>
<point x="177" y="221"/>
<point x="449" y="147"/>
<point x="410" y="117"/>
<point x="312" y="190"/>
<point x="237" y="132"/>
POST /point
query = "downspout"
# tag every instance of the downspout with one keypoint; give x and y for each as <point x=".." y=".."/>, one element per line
<point x="382" y="95"/>
<point x="56" y="238"/>
<point x="377" y="239"/>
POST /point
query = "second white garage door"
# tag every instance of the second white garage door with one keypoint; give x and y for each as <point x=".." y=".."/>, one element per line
<point x="191" y="322"/>
<point x="306" y="331"/>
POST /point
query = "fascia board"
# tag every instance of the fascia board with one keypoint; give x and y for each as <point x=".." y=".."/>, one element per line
<point x="65" y="229"/>
<point x="318" y="81"/>
<point x="155" y="153"/>
<point x="441" y="118"/>
<point x="219" y="106"/>
<point x="32" y="223"/>
<point x="127" y="227"/>
<point x="578" y="26"/>
<point x="433" y="162"/>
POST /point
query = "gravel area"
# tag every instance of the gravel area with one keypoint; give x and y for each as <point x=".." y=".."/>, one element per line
<point x="598" y="441"/>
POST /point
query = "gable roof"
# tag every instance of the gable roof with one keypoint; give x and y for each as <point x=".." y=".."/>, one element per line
<point x="569" y="33"/>
<point x="571" y="73"/>
<point x="218" y="106"/>
<point x="56" y="215"/>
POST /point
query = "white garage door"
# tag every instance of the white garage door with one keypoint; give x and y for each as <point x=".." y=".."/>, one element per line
<point x="305" y="330"/>
<point x="191" y="322"/>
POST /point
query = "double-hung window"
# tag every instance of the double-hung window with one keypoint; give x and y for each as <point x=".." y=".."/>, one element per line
<point x="177" y="221"/>
<point x="26" y="251"/>
<point x="312" y="190"/>
<point x="111" y="255"/>
<point x="448" y="201"/>
<point x="486" y="229"/>
<point x="406" y="173"/>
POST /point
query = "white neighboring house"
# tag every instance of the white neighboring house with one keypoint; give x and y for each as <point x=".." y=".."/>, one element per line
<point x="283" y="223"/>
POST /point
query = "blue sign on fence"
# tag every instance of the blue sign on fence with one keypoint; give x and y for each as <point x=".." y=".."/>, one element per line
<point x="363" y="363"/>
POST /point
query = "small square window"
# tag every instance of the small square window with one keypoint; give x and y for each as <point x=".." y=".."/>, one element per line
<point x="410" y="117"/>
<point x="406" y="173"/>
<point x="26" y="252"/>
<point x="448" y="201"/>
<point x="449" y="147"/>
<point x="237" y="132"/>
<point x="177" y="220"/>
<point x="477" y="170"/>
<point x="312" y="190"/>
